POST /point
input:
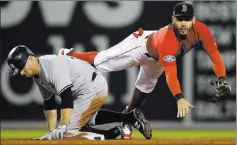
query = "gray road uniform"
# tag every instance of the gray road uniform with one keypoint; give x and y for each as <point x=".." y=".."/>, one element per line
<point x="89" y="89"/>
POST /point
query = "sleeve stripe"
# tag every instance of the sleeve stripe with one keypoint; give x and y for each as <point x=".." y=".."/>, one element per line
<point x="70" y="85"/>
<point x="49" y="97"/>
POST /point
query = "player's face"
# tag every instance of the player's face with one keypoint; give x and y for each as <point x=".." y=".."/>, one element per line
<point x="31" y="67"/>
<point x="183" y="24"/>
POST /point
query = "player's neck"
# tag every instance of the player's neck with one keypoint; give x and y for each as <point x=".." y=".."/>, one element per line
<point x="37" y="69"/>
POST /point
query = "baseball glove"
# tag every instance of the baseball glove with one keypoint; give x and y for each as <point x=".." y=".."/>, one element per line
<point x="222" y="87"/>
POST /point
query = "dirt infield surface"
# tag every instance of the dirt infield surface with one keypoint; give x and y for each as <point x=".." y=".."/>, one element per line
<point x="231" y="141"/>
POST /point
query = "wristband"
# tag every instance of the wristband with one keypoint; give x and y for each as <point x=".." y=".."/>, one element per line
<point x="222" y="78"/>
<point x="179" y="96"/>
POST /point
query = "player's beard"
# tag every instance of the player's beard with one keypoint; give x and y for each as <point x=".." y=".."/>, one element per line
<point x="183" y="31"/>
<point x="178" y="34"/>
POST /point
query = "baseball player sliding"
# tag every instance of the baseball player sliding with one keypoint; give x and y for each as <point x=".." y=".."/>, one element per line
<point x="156" y="52"/>
<point x="82" y="92"/>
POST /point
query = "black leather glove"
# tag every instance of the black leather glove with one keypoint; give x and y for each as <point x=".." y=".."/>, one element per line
<point x="223" y="89"/>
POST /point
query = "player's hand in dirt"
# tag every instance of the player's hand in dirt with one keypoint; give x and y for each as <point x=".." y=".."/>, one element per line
<point x="58" y="133"/>
<point x="48" y="136"/>
<point x="183" y="107"/>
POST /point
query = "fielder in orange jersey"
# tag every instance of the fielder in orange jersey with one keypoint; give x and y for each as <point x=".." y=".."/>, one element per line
<point x="156" y="52"/>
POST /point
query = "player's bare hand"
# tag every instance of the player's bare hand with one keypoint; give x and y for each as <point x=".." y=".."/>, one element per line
<point x="183" y="107"/>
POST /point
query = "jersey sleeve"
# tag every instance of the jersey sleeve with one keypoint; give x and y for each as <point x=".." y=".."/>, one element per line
<point x="172" y="79"/>
<point x="45" y="93"/>
<point x="207" y="39"/>
<point x="167" y="52"/>
<point x="167" y="49"/>
<point x="60" y="74"/>
<point x="211" y="48"/>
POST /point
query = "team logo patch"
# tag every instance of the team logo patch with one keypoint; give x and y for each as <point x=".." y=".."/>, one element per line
<point x="169" y="58"/>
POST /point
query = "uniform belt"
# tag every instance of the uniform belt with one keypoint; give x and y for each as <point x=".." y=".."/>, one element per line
<point x="148" y="55"/>
<point x="94" y="74"/>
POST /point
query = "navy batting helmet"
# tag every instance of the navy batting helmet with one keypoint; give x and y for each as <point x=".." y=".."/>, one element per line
<point x="17" y="58"/>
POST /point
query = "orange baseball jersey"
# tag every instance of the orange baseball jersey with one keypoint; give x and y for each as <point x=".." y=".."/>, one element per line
<point x="167" y="47"/>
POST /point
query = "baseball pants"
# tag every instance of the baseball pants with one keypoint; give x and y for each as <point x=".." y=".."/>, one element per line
<point x="85" y="111"/>
<point x="131" y="52"/>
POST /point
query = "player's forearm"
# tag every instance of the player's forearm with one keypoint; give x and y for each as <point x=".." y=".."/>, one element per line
<point x="66" y="116"/>
<point x="66" y="106"/>
<point x="51" y="117"/>
<point x="172" y="80"/>
<point x="218" y="64"/>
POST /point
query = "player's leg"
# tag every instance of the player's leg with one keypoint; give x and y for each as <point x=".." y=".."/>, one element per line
<point x="83" y="111"/>
<point x="128" y="53"/>
<point x="86" y="113"/>
<point x="112" y="133"/>
<point x="106" y="116"/>
<point x="82" y="122"/>
<point x="116" y="58"/>
<point x="87" y="104"/>
<point x="86" y="56"/>
<point x="134" y="117"/>
<point x="145" y="83"/>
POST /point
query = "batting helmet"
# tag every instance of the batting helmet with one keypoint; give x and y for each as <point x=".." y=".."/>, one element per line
<point x="17" y="58"/>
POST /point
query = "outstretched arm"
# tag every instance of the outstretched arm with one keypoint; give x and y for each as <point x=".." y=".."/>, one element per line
<point x="218" y="64"/>
<point x="221" y="85"/>
<point x="174" y="86"/>
<point x="211" y="48"/>
<point x="172" y="80"/>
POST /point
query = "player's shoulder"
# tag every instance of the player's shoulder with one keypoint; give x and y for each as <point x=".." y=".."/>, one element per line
<point x="48" y="56"/>
<point x="200" y="26"/>
<point x="164" y="30"/>
<point x="166" y="33"/>
<point x="167" y="36"/>
<point x="52" y="60"/>
<point x="51" y="57"/>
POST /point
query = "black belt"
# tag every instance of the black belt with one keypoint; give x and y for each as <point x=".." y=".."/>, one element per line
<point x="94" y="74"/>
<point x="148" y="55"/>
